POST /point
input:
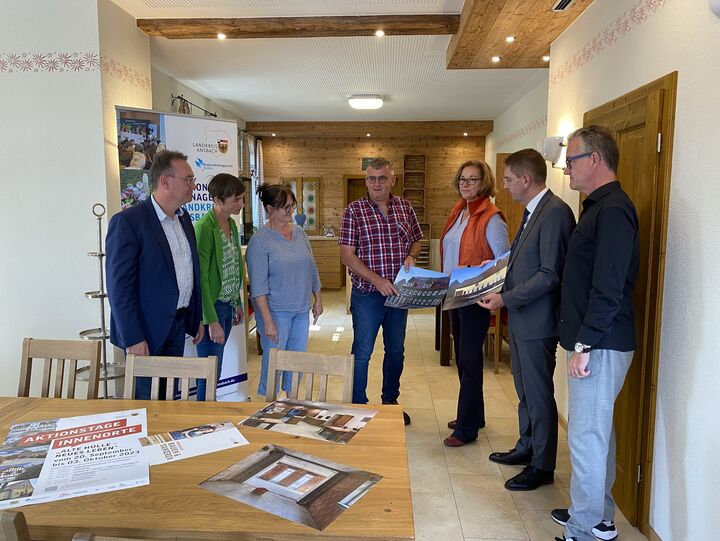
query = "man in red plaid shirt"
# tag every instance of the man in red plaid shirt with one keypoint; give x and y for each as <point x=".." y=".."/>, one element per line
<point x="379" y="234"/>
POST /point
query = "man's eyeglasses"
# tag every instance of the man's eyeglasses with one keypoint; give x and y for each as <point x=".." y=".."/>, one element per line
<point x="382" y="179"/>
<point x="570" y="159"/>
<point x="469" y="181"/>
<point x="188" y="180"/>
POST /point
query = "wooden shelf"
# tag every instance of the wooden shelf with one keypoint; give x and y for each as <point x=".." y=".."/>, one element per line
<point x="414" y="162"/>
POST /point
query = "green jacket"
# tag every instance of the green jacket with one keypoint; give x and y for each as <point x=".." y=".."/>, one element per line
<point x="209" y="245"/>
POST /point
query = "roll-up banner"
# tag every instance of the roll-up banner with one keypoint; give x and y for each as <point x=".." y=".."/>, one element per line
<point x="211" y="146"/>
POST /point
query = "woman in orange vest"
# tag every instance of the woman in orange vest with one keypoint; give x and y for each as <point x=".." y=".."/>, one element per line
<point x="475" y="232"/>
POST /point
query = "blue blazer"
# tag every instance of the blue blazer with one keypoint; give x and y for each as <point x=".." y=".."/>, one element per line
<point x="141" y="283"/>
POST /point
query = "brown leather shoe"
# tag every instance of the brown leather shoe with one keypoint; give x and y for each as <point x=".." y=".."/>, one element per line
<point x="452" y="424"/>
<point x="452" y="441"/>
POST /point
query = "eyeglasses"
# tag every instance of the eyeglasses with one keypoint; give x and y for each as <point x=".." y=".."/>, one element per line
<point x="382" y="179"/>
<point x="471" y="181"/>
<point x="188" y="180"/>
<point x="289" y="208"/>
<point x="570" y="159"/>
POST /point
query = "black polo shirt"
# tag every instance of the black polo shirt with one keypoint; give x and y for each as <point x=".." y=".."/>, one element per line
<point x="600" y="272"/>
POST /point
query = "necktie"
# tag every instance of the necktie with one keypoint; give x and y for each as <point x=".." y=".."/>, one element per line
<point x="520" y="230"/>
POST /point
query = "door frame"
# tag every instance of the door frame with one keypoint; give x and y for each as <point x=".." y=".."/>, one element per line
<point x="668" y="85"/>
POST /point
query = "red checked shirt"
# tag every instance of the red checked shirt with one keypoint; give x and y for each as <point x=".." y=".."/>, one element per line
<point x="381" y="242"/>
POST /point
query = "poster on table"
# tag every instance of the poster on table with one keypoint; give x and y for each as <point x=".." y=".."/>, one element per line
<point x="211" y="146"/>
<point x="470" y="284"/>
<point x="418" y="288"/>
<point x="56" y="459"/>
<point x="190" y="442"/>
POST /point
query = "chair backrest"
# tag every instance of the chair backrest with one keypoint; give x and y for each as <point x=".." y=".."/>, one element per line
<point x="13" y="526"/>
<point x="312" y="366"/>
<point x="64" y="356"/>
<point x="171" y="368"/>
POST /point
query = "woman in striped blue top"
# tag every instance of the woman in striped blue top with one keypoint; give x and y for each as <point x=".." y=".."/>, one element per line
<point x="282" y="275"/>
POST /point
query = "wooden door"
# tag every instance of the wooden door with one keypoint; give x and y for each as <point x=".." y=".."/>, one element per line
<point x="639" y="121"/>
<point x="503" y="200"/>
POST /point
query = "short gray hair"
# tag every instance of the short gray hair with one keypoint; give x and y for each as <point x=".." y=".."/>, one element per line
<point x="162" y="164"/>
<point x="379" y="163"/>
<point x="601" y="140"/>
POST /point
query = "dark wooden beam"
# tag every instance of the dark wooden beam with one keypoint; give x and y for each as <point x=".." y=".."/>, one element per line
<point x="445" y="128"/>
<point x="300" y="27"/>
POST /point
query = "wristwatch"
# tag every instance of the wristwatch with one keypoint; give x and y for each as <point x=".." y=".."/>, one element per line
<point x="413" y="256"/>
<point x="582" y="348"/>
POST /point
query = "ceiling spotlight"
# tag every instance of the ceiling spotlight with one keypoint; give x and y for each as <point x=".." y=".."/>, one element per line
<point x="367" y="135"/>
<point x="365" y="101"/>
<point x="379" y="33"/>
<point x="510" y="39"/>
<point x="495" y="59"/>
<point x="221" y="35"/>
<point x="464" y="134"/>
<point x="546" y="58"/>
<point x="273" y="134"/>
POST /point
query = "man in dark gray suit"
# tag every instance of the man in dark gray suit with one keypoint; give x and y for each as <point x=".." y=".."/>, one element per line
<point x="531" y="295"/>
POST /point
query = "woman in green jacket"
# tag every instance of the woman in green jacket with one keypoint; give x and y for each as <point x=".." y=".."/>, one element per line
<point x="221" y="268"/>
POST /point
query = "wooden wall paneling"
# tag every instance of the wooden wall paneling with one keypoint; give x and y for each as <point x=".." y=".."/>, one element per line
<point x="444" y="128"/>
<point x="333" y="159"/>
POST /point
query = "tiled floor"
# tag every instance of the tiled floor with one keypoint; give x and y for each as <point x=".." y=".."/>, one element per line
<point x="458" y="494"/>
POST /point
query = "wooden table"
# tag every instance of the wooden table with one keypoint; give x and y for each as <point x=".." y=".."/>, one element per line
<point x="173" y="506"/>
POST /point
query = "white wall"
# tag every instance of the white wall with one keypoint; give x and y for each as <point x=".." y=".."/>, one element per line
<point x="163" y="86"/>
<point x="520" y="126"/>
<point x="613" y="48"/>
<point x="125" y="53"/>
<point x="51" y="150"/>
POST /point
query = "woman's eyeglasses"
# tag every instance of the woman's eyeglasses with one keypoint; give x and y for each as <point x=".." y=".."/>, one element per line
<point x="469" y="181"/>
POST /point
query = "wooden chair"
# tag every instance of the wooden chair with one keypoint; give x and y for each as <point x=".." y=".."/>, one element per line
<point x="63" y="355"/>
<point x="171" y="368"/>
<point x="13" y="526"/>
<point x="311" y="365"/>
<point x="495" y="336"/>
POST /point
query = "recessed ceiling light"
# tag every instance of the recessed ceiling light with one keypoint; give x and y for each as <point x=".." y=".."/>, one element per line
<point x="464" y="134"/>
<point x="495" y="59"/>
<point x="379" y="33"/>
<point x="510" y="39"/>
<point x="365" y="101"/>
<point x="367" y="135"/>
<point x="273" y="135"/>
<point x="546" y="58"/>
<point x="221" y="36"/>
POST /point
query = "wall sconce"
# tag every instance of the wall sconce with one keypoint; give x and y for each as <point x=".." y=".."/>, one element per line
<point x="553" y="150"/>
<point x="715" y="7"/>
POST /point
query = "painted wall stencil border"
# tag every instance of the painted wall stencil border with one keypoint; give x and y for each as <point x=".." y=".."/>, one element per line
<point x="522" y="132"/>
<point x="56" y="62"/>
<point x="630" y="19"/>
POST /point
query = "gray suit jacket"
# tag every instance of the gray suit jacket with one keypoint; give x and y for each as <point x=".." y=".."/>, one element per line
<point x="532" y="286"/>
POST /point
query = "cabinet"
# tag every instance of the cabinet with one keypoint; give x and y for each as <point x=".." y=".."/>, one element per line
<point x="414" y="183"/>
<point x="327" y="258"/>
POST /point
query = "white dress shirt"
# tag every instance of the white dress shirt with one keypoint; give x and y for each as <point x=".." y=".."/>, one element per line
<point x="181" y="254"/>
<point x="532" y="205"/>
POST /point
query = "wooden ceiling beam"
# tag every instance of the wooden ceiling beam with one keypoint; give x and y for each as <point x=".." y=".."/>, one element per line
<point x="449" y="128"/>
<point x="300" y="27"/>
<point x="484" y="25"/>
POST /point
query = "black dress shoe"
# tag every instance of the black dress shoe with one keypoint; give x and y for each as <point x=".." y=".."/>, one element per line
<point x="513" y="457"/>
<point x="406" y="417"/>
<point x="530" y="479"/>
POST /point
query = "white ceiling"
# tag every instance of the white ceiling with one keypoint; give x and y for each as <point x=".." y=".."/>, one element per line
<point x="310" y="78"/>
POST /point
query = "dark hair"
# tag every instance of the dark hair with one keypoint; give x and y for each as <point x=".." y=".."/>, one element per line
<point x="379" y="163"/>
<point x="224" y="185"/>
<point x="275" y="195"/>
<point x="486" y="186"/>
<point x="601" y="140"/>
<point x="162" y="164"/>
<point x="527" y="161"/>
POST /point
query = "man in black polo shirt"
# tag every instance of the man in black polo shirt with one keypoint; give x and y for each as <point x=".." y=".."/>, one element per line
<point x="596" y="327"/>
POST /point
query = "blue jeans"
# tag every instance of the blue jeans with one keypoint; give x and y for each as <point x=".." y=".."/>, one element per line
<point x="173" y="346"/>
<point x="292" y="329"/>
<point x="206" y="348"/>
<point x="368" y="314"/>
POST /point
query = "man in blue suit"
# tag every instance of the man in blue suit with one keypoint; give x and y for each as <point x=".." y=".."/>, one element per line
<point x="153" y="273"/>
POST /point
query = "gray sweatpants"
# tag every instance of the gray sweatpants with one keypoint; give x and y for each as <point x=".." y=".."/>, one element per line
<point x="591" y="437"/>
